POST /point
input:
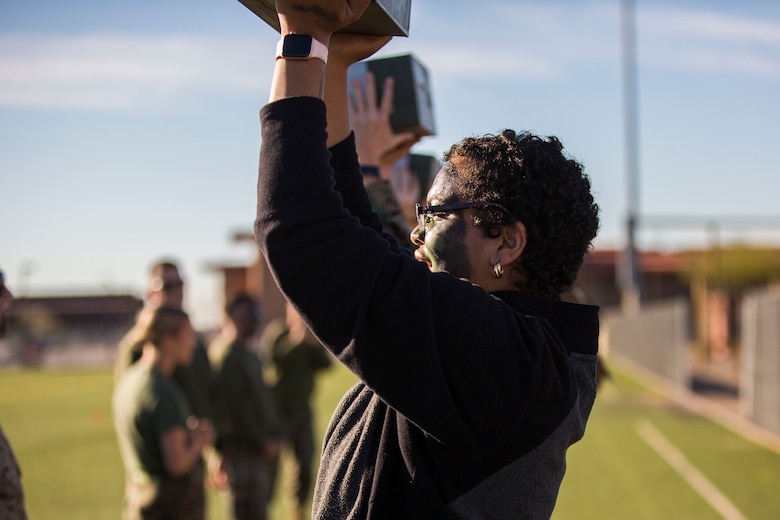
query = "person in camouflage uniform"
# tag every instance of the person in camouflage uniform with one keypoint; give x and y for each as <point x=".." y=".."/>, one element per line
<point x="248" y="427"/>
<point x="296" y="356"/>
<point x="11" y="492"/>
<point x="392" y="189"/>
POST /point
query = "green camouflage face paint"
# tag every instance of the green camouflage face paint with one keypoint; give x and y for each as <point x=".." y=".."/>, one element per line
<point x="444" y="233"/>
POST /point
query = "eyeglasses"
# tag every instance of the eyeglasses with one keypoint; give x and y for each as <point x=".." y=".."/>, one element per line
<point x="425" y="213"/>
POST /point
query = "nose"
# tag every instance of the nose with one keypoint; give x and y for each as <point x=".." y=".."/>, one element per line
<point x="417" y="236"/>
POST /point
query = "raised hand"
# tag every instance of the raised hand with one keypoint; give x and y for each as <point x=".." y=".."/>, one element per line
<point x="346" y="48"/>
<point x="319" y="18"/>
<point x="374" y="138"/>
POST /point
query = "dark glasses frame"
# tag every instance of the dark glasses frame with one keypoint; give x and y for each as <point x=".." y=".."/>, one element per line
<point x="421" y="211"/>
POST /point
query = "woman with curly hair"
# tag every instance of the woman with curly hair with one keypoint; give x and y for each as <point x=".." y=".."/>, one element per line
<point x="523" y="181"/>
<point x="475" y="376"/>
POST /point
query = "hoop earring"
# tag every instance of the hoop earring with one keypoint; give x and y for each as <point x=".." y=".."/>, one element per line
<point x="498" y="270"/>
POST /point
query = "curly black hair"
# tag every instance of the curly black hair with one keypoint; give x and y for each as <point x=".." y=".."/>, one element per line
<point x="541" y="187"/>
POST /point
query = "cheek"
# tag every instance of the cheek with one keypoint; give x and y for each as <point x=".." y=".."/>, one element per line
<point x="437" y="246"/>
<point x="447" y="250"/>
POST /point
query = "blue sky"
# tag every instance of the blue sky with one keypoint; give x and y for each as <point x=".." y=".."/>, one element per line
<point x="129" y="130"/>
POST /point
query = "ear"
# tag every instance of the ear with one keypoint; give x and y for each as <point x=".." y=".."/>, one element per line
<point x="514" y="237"/>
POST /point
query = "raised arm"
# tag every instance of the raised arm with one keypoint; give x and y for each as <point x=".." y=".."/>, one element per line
<point x="377" y="144"/>
<point x="344" y="50"/>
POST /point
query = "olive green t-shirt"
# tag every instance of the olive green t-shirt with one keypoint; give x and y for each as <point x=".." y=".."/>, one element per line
<point x="296" y="365"/>
<point x="146" y="404"/>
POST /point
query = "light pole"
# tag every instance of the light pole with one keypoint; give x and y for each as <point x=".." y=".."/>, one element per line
<point x="629" y="275"/>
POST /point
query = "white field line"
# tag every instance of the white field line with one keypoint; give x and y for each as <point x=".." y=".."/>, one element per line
<point x="695" y="478"/>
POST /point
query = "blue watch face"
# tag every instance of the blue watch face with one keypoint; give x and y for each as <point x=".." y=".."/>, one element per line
<point x="296" y="46"/>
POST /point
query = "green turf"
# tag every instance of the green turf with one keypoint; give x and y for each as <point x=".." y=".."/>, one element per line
<point x="60" y="428"/>
<point x="59" y="425"/>
<point x="614" y="474"/>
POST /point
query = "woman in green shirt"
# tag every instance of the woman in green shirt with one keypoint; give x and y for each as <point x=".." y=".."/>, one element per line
<point x="159" y="441"/>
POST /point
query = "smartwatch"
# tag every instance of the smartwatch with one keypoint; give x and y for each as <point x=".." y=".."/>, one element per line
<point x="301" y="47"/>
<point x="370" y="171"/>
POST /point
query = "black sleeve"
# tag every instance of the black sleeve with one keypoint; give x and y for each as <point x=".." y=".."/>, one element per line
<point x="349" y="183"/>
<point x="453" y="359"/>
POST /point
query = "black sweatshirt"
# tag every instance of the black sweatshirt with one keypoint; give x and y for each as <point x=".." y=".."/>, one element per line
<point x="467" y="400"/>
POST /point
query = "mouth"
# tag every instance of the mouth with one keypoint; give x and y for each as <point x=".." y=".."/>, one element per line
<point x="419" y="255"/>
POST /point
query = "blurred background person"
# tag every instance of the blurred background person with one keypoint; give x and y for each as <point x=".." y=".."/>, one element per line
<point x="384" y="158"/>
<point x="6" y="298"/>
<point x="159" y="440"/>
<point x="166" y="288"/>
<point x="296" y="357"/>
<point x="247" y="422"/>
<point x="11" y="493"/>
<point x="406" y="186"/>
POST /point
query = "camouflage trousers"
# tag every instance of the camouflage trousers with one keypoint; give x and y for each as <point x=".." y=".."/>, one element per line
<point x="11" y="494"/>
<point x="249" y="488"/>
<point x="167" y="499"/>
<point x="299" y="439"/>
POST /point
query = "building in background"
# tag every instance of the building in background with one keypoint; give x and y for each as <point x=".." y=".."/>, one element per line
<point x="67" y="330"/>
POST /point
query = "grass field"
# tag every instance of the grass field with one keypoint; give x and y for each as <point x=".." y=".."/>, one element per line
<point x="615" y="473"/>
<point x="60" y="428"/>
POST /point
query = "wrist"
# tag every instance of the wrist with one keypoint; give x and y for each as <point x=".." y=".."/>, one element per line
<point x="367" y="157"/>
<point x="295" y="46"/>
<point x="370" y="170"/>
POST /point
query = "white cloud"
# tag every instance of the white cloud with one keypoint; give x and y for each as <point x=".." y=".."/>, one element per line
<point x="711" y="26"/>
<point x="511" y="40"/>
<point x="464" y="60"/>
<point x="532" y="40"/>
<point x="119" y="72"/>
<point x="484" y="41"/>
<point x="709" y="42"/>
